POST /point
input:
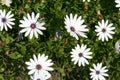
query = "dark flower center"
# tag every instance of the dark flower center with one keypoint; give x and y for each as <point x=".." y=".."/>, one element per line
<point x="80" y="54"/>
<point x="72" y="28"/>
<point x="33" y="25"/>
<point x="4" y="20"/>
<point x="38" y="67"/>
<point x="103" y="30"/>
<point x="97" y="72"/>
<point x="38" y="79"/>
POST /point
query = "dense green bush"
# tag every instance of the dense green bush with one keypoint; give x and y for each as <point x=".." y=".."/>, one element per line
<point x="16" y="49"/>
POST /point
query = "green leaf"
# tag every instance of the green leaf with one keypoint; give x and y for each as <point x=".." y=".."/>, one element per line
<point x="15" y="55"/>
<point x="1" y="77"/>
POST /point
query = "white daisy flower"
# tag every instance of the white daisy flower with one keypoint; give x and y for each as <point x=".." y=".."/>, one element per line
<point x="118" y="3"/>
<point x="6" y="20"/>
<point x="99" y="72"/>
<point x="86" y="0"/>
<point x="74" y="26"/>
<point x="6" y="2"/>
<point x="32" y="26"/>
<point x="104" y="30"/>
<point x="40" y="65"/>
<point x="81" y="54"/>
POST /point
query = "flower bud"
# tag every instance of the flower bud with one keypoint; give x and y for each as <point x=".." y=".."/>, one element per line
<point x="117" y="47"/>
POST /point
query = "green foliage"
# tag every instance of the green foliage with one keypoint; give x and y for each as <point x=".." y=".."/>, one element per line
<point x="15" y="51"/>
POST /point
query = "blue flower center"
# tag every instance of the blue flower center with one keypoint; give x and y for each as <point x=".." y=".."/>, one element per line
<point x="72" y="28"/>
<point x="38" y="67"/>
<point x="80" y="54"/>
<point x="33" y="25"/>
<point x="4" y="20"/>
<point x="97" y="72"/>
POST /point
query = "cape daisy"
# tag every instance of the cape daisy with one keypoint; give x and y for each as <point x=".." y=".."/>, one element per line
<point x="40" y="65"/>
<point x="6" y="2"/>
<point x="6" y="20"/>
<point x="118" y="4"/>
<point x="80" y="55"/>
<point x="99" y="72"/>
<point x="75" y="26"/>
<point x="31" y="25"/>
<point x="104" y="30"/>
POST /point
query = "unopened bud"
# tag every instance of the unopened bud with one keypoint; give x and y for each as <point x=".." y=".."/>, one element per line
<point x="117" y="47"/>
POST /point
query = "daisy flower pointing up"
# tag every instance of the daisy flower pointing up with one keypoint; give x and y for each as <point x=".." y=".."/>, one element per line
<point x="32" y="26"/>
<point x="40" y="66"/>
<point x="6" y="20"/>
<point x="104" y="30"/>
<point x="74" y="26"/>
<point x="99" y="72"/>
<point x="81" y="54"/>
